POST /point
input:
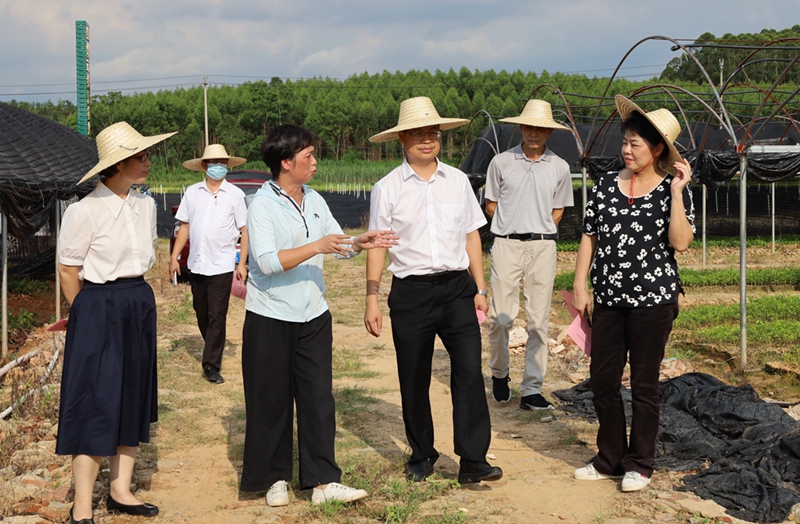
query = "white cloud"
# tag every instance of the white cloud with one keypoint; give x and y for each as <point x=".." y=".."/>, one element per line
<point x="338" y="38"/>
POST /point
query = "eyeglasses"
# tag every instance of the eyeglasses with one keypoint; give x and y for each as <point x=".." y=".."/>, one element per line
<point x="419" y="136"/>
<point x="144" y="157"/>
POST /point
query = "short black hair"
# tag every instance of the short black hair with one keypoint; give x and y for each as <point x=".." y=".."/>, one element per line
<point x="639" y="124"/>
<point x="108" y="172"/>
<point x="283" y="143"/>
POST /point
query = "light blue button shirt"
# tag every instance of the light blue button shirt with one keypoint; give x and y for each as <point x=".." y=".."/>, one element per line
<point x="273" y="224"/>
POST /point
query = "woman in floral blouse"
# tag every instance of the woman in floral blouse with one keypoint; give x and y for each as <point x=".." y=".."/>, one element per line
<point x="635" y="221"/>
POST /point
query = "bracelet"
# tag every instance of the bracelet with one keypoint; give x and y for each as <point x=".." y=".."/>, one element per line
<point x="483" y="292"/>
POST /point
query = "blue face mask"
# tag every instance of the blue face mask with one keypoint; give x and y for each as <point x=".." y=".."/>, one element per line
<point x="217" y="171"/>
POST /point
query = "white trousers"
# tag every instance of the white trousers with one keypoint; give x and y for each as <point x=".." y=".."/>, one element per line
<point x="534" y="263"/>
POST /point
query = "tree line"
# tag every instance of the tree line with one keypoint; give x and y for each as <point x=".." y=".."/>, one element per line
<point x="345" y="113"/>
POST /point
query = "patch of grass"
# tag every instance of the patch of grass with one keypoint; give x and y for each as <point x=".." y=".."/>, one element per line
<point x="28" y="286"/>
<point x="351" y="406"/>
<point x="781" y="276"/>
<point x="450" y="516"/>
<point x="348" y="363"/>
<point x="183" y="311"/>
<point x="392" y="498"/>
<point x="771" y="320"/>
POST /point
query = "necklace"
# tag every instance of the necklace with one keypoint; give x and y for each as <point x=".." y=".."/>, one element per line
<point x="633" y="178"/>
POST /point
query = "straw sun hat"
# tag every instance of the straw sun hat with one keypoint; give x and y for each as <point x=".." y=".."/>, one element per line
<point x="213" y="152"/>
<point x="118" y="142"/>
<point x="664" y="122"/>
<point x="537" y="113"/>
<point x="415" y="113"/>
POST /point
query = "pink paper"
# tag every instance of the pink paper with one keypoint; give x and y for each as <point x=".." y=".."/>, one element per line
<point x="481" y="315"/>
<point x="61" y="325"/>
<point x="580" y="332"/>
<point x="238" y="288"/>
<point x="568" y="299"/>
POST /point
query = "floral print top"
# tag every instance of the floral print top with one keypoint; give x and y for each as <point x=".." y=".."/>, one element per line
<point x="634" y="265"/>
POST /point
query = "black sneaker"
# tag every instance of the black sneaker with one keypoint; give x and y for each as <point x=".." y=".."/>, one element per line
<point x="535" y="401"/>
<point x="500" y="390"/>
<point x="213" y="376"/>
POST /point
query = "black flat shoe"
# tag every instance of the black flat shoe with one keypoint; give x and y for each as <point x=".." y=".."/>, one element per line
<point x="82" y="521"/>
<point x="471" y="472"/>
<point x="141" y="510"/>
<point x="419" y="470"/>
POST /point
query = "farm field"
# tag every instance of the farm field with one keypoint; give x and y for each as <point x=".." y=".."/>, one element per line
<point x="191" y="467"/>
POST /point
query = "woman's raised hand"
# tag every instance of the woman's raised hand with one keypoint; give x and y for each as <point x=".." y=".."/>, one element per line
<point x="684" y="176"/>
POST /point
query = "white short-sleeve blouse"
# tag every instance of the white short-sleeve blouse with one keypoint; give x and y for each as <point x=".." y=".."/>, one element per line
<point x="109" y="237"/>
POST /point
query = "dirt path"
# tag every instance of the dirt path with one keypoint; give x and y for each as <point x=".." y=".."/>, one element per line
<point x="191" y="468"/>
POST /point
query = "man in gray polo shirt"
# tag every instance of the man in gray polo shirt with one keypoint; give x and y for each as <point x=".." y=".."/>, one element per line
<point x="527" y="189"/>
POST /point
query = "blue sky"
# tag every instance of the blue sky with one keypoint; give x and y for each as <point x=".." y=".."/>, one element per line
<point x="161" y="44"/>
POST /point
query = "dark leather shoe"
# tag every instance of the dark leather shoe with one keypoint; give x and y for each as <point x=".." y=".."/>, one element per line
<point x="141" y="510"/>
<point x="419" y="470"/>
<point x="82" y="521"/>
<point x="471" y="472"/>
<point x="213" y="376"/>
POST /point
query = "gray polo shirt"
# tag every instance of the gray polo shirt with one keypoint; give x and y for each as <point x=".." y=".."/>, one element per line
<point x="527" y="192"/>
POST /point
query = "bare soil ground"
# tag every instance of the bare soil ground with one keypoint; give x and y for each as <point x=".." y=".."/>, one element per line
<point x="192" y="465"/>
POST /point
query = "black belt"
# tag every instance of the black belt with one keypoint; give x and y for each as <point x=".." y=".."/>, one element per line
<point x="530" y="236"/>
<point x="436" y="278"/>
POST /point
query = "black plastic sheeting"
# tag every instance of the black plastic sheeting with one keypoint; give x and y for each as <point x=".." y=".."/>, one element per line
<point x="714" y="166"/>
<point x="753" y="447"/>
<point x="717" y="167"/>
<point x="41" y="162"/>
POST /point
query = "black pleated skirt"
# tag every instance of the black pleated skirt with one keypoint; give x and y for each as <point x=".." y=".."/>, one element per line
<point x="109" y="393"/>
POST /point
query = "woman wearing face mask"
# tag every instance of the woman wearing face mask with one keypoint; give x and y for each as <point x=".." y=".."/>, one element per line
<point x="635" y="221"/>
<point x="212" y="215"/>
<point x="108" y="384"/>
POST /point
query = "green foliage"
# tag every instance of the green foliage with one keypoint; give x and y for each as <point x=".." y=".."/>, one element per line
<point x="786" y="276"/>
<point x="23" y="320"/>
<point x="771" y="320"/>
<point x="730" y="277"/>
<point x="342" y="113"/>
<point x="27" y="286"/>
<point x="728" y="59"/>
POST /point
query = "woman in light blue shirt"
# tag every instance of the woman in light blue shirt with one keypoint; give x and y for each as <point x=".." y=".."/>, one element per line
<point x="288" y="336"/>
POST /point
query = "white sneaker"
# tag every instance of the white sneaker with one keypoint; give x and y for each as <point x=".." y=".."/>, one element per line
<point x="634" y="481"/>
<point x="278" y="494"/>
<point x="588" y="472"/>
<point x="336" y="491"/>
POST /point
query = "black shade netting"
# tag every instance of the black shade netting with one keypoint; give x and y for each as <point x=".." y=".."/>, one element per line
<point x="746" y="452"/>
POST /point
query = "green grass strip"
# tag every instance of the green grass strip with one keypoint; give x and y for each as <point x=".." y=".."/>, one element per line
<point x="770" y="320"/>
<point x="783" y="276"/>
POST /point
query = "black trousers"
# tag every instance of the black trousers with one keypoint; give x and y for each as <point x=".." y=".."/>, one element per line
<point x="618" y="334"/>
<point x="210" y="297"/>
<point x="419" y="311"/>
<point x="286" y="364"/>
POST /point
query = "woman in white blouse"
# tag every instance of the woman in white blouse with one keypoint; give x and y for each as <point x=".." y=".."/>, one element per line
<point x="108" y="385"/>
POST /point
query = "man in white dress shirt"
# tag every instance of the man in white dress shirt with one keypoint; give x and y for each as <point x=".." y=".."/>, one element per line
<point x="213" y="215"/>
<point x="437" y="286"/>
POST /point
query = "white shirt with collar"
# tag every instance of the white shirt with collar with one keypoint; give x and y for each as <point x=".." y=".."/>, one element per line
<point x="215" y="220"/>
<point x="432" y="218"/>
<point x="109" y="237"/>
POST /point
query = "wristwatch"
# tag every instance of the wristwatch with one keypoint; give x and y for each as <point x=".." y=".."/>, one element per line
<point x="484" y="292"/>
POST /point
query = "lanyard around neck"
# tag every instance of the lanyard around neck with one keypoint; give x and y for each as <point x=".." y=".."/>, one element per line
<point x="299" y="208"/>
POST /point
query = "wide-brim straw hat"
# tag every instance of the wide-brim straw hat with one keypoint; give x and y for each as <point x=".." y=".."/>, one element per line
<point x="118" y="142"/>
<point x="415" y="113"/>
<point x="536" y="113"/>
<point x="665" y="123"/>
<point x="213" y="152"/>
